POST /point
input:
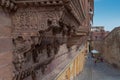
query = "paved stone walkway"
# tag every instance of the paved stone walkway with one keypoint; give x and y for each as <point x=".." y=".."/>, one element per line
<point x="100" y="71"/>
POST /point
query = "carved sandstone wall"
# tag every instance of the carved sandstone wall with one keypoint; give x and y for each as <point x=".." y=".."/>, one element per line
<point x="41" y="35"/>
<point x="112" y="48"/>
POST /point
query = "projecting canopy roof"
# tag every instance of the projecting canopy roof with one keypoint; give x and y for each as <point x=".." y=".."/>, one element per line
<point x="95" y="51"/>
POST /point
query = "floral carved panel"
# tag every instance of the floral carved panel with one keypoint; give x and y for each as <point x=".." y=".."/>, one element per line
<point x="33" y="19"/>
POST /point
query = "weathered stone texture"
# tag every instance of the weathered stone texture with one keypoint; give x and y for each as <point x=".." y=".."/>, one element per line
<point x="112" y="48"/>
<point x="6" y="47"/>
<point x="37" y="36"/>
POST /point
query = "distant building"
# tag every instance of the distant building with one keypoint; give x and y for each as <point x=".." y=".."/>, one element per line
<point x="97" y="28"/>
<point x="97" y="35"/>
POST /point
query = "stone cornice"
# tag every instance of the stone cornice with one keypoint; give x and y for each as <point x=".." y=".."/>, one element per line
<point x="75" y="7"/>
<point x="71" y="5"/>
<point x="39" y="2"/>
<point x="65" y="3"/>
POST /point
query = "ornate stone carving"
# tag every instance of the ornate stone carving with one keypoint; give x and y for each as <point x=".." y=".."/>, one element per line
<point x="8" y="4"/>
<point x="33" y="19"/>
<point x="54" y="26"/>
<point x="44" y="41"/>
<point x="46" y="32"/>
<point x="18" y="56"/>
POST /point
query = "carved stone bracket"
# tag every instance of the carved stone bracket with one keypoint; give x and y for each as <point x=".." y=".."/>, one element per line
<point x="8" y="4"/>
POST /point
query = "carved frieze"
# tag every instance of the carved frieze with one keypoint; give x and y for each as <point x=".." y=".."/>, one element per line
<point x="33" y="19"/>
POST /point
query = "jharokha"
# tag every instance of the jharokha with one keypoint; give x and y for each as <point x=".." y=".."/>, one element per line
<point x="44" y="39"/>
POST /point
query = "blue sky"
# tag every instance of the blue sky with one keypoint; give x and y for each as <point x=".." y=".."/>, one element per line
<point x="107" y="13"/>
